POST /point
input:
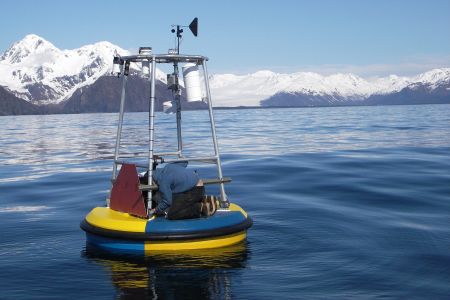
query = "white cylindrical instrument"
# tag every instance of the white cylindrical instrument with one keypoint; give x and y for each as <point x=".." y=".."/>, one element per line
<point x="192" y="82"/>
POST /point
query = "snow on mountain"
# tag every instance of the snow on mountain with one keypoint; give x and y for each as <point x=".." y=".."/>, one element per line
<point x="389" y="84"/>
<point x="433" y="78"/>
<point x="250" y="89"/>
<point x="233" y="90"/>
<point x="35" y="70"/>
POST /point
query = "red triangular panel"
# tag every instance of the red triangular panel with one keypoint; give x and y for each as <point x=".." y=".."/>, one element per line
<point x="125" y="195"/>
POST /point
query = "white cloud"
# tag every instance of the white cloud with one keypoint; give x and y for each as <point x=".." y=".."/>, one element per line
<point x="408" y="66"/>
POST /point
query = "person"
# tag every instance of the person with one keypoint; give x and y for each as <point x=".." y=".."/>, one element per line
<point x="180" y="192"/>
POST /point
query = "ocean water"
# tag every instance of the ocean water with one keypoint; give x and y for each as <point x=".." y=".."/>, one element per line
<point x="347" y="202"/>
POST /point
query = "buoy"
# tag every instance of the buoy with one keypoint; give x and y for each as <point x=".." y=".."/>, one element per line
<point x="128" y="222"/>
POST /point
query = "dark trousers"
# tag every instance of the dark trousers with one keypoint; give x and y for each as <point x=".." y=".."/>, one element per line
<point x="186" y="205"/>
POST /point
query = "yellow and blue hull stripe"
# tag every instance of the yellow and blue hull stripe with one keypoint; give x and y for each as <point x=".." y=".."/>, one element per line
<point x="121" y="232"/>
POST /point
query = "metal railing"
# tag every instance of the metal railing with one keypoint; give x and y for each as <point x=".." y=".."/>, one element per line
<point x="165" y="59"/>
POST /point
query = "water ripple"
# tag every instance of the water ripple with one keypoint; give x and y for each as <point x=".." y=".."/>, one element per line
<point x="347" y="202"/>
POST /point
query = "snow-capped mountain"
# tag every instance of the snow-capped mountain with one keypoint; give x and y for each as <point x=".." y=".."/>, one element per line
<point x="251" y="89"/>
<point x="35" y="70"/>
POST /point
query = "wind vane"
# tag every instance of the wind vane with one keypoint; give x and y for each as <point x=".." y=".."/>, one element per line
<point x="193" y="27"/>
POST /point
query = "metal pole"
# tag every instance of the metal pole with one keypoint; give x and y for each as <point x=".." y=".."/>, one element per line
<point x="151" y="122"/>
<point x="178" y="103"/>
<point x="224" y="200"/>
<point x="178" y="38"/>
<point x="119" y="128"/>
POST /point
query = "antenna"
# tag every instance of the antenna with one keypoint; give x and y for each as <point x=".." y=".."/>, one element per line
<point x="193" y="27"/>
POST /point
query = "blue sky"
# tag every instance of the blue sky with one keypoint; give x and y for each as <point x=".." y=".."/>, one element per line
<point x="368" y="38"/>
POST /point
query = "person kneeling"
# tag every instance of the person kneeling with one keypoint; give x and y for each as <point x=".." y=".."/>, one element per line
<point x="181" y="193"/>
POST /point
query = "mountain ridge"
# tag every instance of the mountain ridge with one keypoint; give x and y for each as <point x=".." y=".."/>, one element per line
<point x="261" y="86"/>
<point x="35" y="70"/>
<point x="60" y="81"/>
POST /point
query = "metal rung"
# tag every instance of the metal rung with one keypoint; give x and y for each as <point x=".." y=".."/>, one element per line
<point x="211" y="159"/>
<point x="216" y="180"/>
<point x="141" y="155"/>
<point x="168" y="154"/>
<point x="121" y="162"/>
<point x="145" y="187"/>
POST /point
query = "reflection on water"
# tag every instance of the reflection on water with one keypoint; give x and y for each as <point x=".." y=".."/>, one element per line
<point x="348" y="202"/>
<point x="199" y="274"/>
<point x="43" y="145"/>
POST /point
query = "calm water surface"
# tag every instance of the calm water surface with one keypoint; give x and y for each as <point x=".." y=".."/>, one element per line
<point x="348" y="202"/>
